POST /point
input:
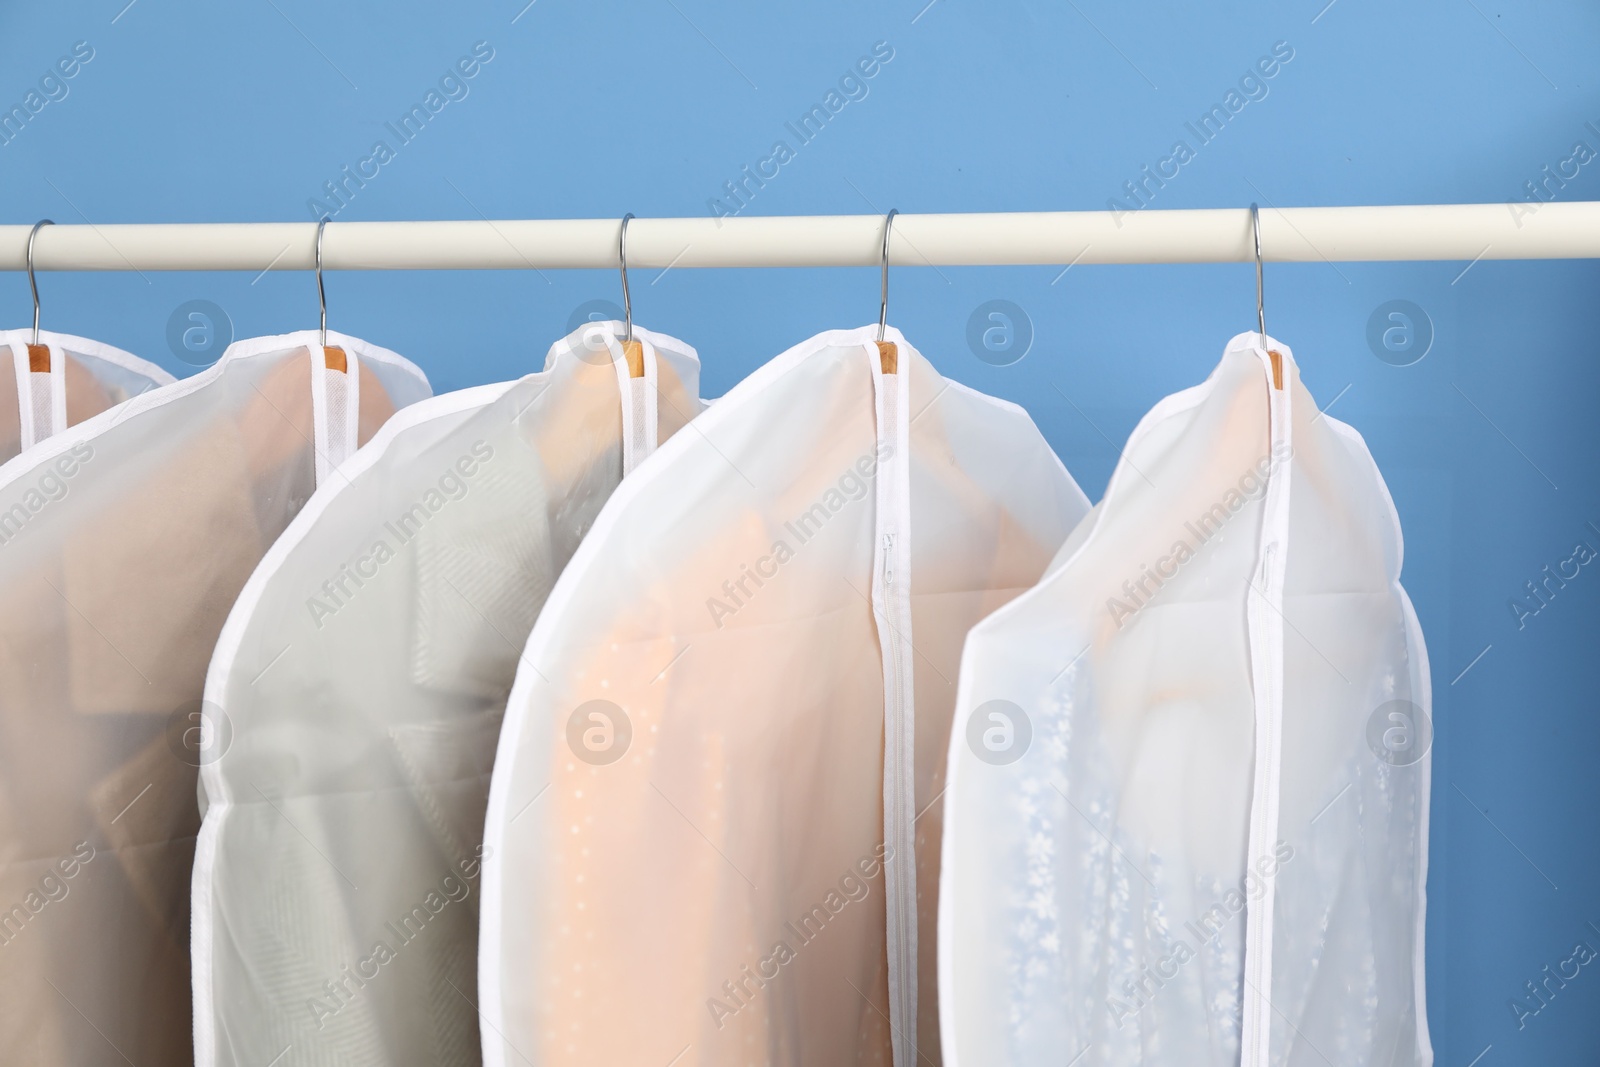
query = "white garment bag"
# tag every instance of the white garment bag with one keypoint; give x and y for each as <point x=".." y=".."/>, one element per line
<point x="361" y="679"/>
<point x="123" y="542"/>
<point x="700" y="850"/>
<point x="61" y="381"/>
<point x="1212" y="848"/>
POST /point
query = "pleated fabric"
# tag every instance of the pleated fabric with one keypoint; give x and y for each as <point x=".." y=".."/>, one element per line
<point x="714" y="820"/>
<point x="123" y="542"/>
<point x="362" y="677"/>
<point x="1187" y="808"/>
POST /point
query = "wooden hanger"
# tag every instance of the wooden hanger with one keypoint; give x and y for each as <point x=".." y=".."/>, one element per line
<point x="888" y="357"/>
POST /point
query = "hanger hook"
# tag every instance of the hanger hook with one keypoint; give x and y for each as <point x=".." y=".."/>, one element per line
<point x="322" y="295"/>
<point x="883" y="306"/>
<point x="33" y="282"/>
<point x="627" y="302"/>
<point x="1261" y="307"/>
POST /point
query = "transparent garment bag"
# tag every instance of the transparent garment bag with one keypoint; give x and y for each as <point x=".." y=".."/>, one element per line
<point x="1212" y="847"/>
<point x="61" y="381"/>
<point x="360" y="682"/>
<point x="123" y="542"/>
<point x="700" y="849"/>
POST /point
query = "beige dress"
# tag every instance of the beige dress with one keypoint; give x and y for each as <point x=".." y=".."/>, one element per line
<point x="713" y="826"/>
<point x="123" y="542"/>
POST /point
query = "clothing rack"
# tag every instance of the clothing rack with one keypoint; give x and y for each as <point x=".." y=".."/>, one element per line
<point x="1513" y="230"/>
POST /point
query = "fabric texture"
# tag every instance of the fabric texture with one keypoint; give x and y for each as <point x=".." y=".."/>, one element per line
<point x="123" y="542"/>
<point x="1188" y="791"/>
<point x="362" y="675"/>
<point x="713" y="825"/>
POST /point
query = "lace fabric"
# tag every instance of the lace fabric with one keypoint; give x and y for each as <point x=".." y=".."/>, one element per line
<point x="1107" y="890"/>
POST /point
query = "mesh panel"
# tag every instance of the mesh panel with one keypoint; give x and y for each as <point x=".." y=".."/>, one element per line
<point x="340" y="431"/>
<point x="41" y="388"/>
<point x="640" y="424"/>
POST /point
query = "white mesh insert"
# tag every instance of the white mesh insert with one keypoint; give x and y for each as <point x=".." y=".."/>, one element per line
<point x="42" y="390"/>
<point x="337" y="418"/>
<point x="641" y="432"/>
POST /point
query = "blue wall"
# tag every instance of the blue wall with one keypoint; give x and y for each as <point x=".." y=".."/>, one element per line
<point x="241" y="111"/>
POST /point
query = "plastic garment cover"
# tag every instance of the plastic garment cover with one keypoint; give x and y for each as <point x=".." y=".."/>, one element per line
<point x="362" y="676"/>
<point x="61" y="381"/>
<point x="699" y="843"/>
<point x="1206" y="843"/>
<point x="123" y="542"/>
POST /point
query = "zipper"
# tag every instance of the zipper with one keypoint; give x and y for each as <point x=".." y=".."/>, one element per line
<point x="902" y="903"/>
<point x="900" y="888"/>
<point x="1264" y="623"/>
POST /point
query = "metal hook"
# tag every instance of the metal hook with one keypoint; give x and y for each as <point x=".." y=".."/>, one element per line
<point x="883" y="306"/>
<point x="322" y="295"/>
<point x="627" y="302"/>
<point x="33" y="282"/>
<point x="1261" y="307"/>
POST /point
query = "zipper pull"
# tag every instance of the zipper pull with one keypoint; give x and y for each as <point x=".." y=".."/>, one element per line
<point x="888" y="569"/>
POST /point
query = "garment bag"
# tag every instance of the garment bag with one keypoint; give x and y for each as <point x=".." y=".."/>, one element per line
<point x="362" y="675"/>
<point x="700" y="849"/>
<point x="1212" y="849"/>
<point x="123" y="542"/>
<point x="59" y="382"/>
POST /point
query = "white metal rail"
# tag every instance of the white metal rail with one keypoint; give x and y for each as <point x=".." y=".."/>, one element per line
<point x="1518" y="230"/>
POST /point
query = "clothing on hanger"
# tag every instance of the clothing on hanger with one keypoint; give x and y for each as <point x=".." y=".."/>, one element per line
<point x="60" y="382"/>
<point x="699" y="847"/>
<point x="1212" y="849"/>
<point x="363" y="674"/>
<point x="123" y="542"/>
